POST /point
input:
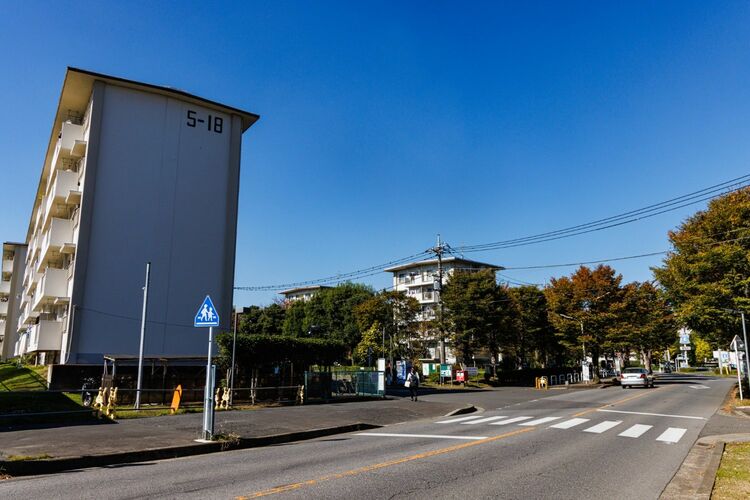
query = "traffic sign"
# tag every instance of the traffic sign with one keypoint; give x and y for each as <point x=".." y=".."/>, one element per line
<point x="206" y="315"/>
<point x="686" y="348"/>
<point x="737" y="344"/>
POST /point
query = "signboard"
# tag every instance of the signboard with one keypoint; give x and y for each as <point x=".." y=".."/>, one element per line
<point x="445" y="370"/>
<point x="473" y="371"/>
<point x="684" y="336"/>
<point x="737" y="344"/>
<point x="460" y="376"/>
<point x="686" y="348"/>
<point x="206" y="315"/>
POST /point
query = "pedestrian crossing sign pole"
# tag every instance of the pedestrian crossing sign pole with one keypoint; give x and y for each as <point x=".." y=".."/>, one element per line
<point x="207" y="317"/>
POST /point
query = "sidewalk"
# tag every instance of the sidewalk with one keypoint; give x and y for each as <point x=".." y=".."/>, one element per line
<point x="75" y="446"/>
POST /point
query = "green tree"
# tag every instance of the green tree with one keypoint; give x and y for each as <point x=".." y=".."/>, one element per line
<point x="708" y="269"/>
<point x="397" y="314"/>
<point x="479" y="313"/>
<point x="536" y="340"/>
<point x="294" y="319"/>
<point x="370" y="343"/>
<point x="703" y="350"/>
<point x="590" y="296"/>
<point x="645" y="319"/>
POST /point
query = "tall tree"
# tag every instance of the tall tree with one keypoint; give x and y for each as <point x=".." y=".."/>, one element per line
<point x="590" y="296"/>
<point x="396" y="313"/>
<point x="646" y="321"/>
<point x="708" y="269"/>
<point x="536" y="340"/>
<point x="479" y="313"/>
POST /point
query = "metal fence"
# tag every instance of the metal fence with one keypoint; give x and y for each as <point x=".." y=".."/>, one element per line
<point x="342" y="384"/>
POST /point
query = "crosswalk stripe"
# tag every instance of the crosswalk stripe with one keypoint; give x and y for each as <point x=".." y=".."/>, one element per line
<point x="672" y="435"/>
<point x="483" y="420"/>
<point x="635" y="431"/>
<point x="569" y="423"/>
<point x="460" y="419"/>
<point x="604" y="426"/>
<point x="540" y="421"/>
<point x="511" y="421"/>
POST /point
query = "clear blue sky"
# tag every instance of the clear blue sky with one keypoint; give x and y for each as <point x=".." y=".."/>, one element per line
<point x="385" y="123"/>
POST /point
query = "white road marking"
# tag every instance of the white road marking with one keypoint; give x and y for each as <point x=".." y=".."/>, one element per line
<point x="430" y="436"/>
<point x="541" y="421"/>
<point x="604" y="426"/>
<point x="483" y="420"/>
<point x="636" y="431"/>
<point x="511" y="421"/>
<point x="569" y="423"/>
<point x="699" y="386"/>
<point x="652" y="414"/>
<point x="460" y="419"/>
<point x="672" y="435"/>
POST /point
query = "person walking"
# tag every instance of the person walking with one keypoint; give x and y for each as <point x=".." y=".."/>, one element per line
<point x="413" y="379"/>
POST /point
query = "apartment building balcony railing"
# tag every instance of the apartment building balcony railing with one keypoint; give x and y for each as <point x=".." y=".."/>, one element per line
<point x="70" y="144"/>
<point x="5" y="287"/>
<point x="45" y="336"/>
<point x="62" y="191"/>
<point x="28" y="315"/>
<point x="3" y="311"/>
<point x="7" y="266"/>
<point x="59" y="235"/>
<point x="52" y="286"/>
<point x="21" y="344"/>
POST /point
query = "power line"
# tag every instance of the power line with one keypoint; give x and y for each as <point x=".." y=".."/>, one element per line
<point x="631" y="216"/>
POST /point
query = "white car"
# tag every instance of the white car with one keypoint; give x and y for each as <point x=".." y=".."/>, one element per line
<point x="636" y="377"/>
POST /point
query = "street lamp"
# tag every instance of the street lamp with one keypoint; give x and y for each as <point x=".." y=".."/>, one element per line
<point x="744" y="338"/>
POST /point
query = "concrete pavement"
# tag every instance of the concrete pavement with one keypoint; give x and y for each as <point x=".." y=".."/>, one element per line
<point x="569" y="447"/>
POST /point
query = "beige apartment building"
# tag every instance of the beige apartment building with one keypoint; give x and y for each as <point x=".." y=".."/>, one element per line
<point x="13" y="262"/>
<point x="133" y="173"/>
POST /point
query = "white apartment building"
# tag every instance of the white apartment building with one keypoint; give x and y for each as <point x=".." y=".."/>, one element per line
<point x="301" y="293"/>
<point x="420" y="280"/>
<point x="13" y="261"/>
<point x="133" y="173"/>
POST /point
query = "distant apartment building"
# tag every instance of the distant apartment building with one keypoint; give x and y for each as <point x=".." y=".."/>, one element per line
<point x="13" y="261"/>
<point x="420" y="281"/>
<point x="304" y="293"/>
<point x="133" y="173"/>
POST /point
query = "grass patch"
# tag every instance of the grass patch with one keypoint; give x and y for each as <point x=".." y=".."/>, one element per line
<point x="25" y="378"/>
<point x="25" y="458"/>
<point x="733" y="477"/>
<point x="160" y="412"/>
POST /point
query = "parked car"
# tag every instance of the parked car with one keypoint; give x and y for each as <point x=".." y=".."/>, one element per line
<point x="636" y="377"/>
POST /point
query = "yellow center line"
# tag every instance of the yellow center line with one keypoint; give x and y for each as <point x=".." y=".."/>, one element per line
<point x="382" y="465"/>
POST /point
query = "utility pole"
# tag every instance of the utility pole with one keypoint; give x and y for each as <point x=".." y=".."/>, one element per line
<point x="143" y="336"/>
<point x="438" y="250"/>
<point x="234" y="346"/>
<point x="744" y="338"/>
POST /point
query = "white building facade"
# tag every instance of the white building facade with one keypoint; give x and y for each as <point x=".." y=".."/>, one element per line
<point x="303" y="293"/>
<point x="134" y="173"/>
<point x="13" y="262"/>
<point x="420" y="280"/>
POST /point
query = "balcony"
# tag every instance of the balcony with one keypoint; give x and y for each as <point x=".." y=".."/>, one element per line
<point x="71" y="144"/>
<point x="5" y="287"/>
<point x="59" y="234"/>
<point x="21" y="345"/>
<point x="28" y="315"/>
<point x="45" y="336"/>
<point x="7" y="266"/>
<point x="3" y="311"/>
<point x="54" y="284"/>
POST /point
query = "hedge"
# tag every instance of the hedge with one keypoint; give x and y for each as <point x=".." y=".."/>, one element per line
<point x="255" y="350"/>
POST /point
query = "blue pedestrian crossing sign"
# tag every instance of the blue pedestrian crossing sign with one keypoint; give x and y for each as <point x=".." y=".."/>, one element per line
<point x="206" y="315"/>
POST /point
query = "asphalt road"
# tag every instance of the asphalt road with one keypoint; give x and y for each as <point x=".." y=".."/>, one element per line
<point x="601" y="443"/>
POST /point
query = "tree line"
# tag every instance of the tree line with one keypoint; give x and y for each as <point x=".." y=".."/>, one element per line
<point x="591" y="311"/>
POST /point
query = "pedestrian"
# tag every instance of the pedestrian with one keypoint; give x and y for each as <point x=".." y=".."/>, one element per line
<point x="413" y="379"/>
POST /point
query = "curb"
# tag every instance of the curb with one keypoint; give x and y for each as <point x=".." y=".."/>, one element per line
<point x="36" y="467"/>
<point x="461" y="411"/>
<point x="702" y="461"/>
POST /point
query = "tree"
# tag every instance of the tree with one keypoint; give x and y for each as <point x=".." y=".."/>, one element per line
<point x="370" y="347"/>
<point x="479" y="313"/>
<point x="589" y="296"/>
<point x="256" y="320"/>
<point x="396" y="313"/>
<point x="646" y="321"/>
<point x="708" y="269"/>
<point x="294" y="319"/>
<point x="535" y="333"/>
<point x="703" y="350"/>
